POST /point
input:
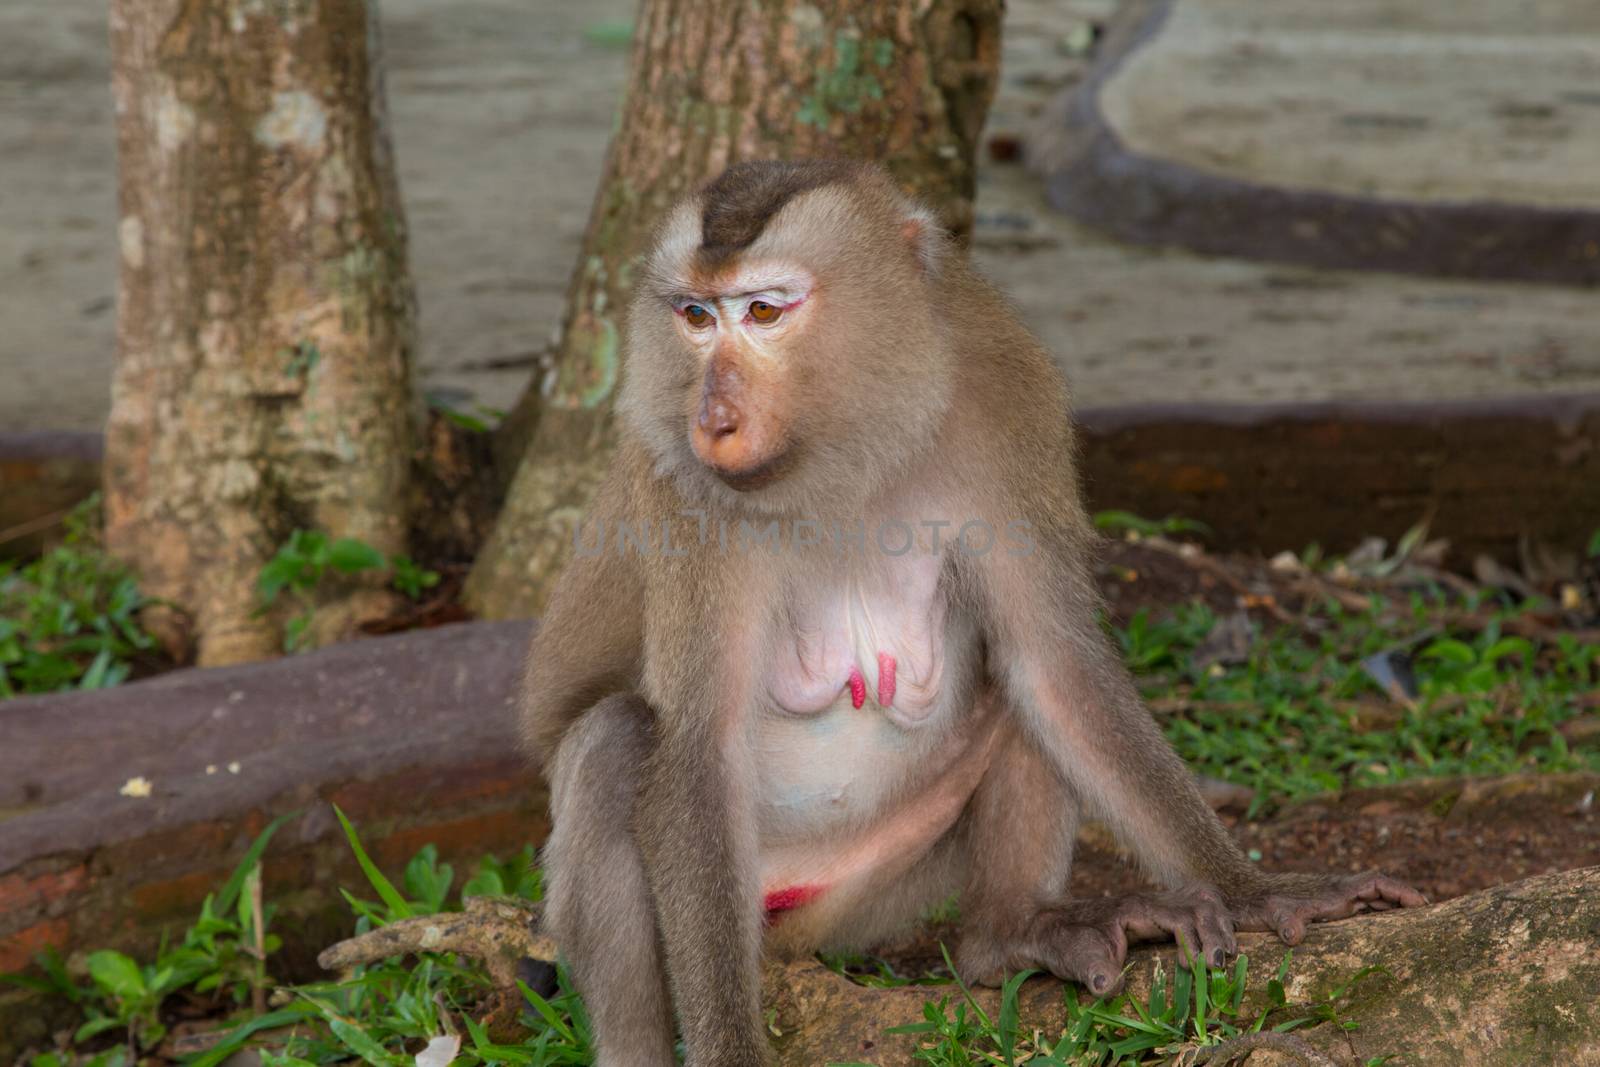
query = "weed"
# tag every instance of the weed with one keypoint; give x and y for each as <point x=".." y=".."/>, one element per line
<point x="1127" y="523"/>
<point x="306" y="560"/>
<point x="1194" y="1008"/>
<point x="384" y="1013"/>
<point x="69" y="619"/>
<point x="480" y="419"/>
<point x="222" y="955"/>
<point x="1303" y="715"/>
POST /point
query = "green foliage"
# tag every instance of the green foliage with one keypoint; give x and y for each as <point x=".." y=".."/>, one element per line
<point x="516" y="877"/>
<point x="310" y="556"/>
<point x="383" y="1012"/>
<point x="385" y="1009"/>
<point x="482" y="417"/>
<point x="1593" y="550"/>
<point x="69" y="619"/>
<point x="216" y="957"/>
<point x="377" y="1015"/>
<point x="1297" y="717"/>
<point x="1127" y="522"/>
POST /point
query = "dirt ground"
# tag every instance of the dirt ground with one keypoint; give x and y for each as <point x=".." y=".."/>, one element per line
<point x="501" y="112"/>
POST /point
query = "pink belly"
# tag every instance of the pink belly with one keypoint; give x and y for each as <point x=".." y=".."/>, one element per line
<point x="838" y="872"/>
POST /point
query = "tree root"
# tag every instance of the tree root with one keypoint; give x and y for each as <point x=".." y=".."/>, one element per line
<point x="498" y="931"/>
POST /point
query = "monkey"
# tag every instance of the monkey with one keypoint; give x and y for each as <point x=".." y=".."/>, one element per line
<point x="827" y="649"/>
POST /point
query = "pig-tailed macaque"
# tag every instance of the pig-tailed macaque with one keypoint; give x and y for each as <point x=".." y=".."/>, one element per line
<point x="827" y="651"/>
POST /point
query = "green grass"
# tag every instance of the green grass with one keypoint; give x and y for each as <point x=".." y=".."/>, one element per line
<point x="69" y="619"/>
<point x="1303" y="715"/>
<point x="1193" y="1008"/>
<point x="385" y="1013"/>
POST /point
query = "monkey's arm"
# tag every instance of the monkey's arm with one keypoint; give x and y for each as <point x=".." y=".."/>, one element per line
<point x="696" y="814"/>
<point x="590" y="641"/>
<point x="1065" y="679"/>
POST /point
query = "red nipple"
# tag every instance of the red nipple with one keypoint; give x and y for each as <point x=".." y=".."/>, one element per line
<point x="885" y="679"/>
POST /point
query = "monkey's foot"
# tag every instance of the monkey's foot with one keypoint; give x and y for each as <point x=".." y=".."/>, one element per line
<point x="1086" y="941"/>
<point x="1289" y="901"/>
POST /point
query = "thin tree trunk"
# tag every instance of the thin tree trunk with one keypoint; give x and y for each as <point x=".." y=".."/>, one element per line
<point x="265" y="319"/>
<point x="713" y="82"/>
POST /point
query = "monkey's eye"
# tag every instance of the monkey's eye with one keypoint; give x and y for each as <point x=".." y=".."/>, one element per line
<point x="764" y="312"/>
<point x="697" y="316"/>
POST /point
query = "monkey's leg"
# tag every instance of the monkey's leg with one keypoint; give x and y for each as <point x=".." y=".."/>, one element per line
<point x="1020" y="831"/>
<point x="597" y="901"/>
<point x="1016" y="913"/>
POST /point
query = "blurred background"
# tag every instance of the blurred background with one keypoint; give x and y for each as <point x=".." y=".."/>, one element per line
<point x="1315" y="272"/>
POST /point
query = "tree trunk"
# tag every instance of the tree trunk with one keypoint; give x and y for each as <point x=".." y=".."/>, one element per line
<point x="714" y="82"/>
<point x="265" y="319"/>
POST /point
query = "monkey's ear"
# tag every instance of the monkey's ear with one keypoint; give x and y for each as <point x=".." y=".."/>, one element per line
<point x="925" y="237"/>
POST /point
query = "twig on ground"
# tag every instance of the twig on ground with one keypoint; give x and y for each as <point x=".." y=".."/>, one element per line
<point x="495" y="930"/>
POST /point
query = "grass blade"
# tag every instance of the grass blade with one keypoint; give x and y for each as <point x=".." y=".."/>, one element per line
<point x="398" y="908"/>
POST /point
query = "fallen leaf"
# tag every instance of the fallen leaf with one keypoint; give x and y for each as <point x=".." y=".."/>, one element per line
<point x="440" y="1051"/>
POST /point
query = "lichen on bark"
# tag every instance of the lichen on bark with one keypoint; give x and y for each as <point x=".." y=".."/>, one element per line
<point x="905" y="82"/>
<point x="265" y="313"/>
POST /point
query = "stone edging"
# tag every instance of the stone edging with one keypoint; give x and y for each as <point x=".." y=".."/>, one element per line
<point x="1092" y="176"/>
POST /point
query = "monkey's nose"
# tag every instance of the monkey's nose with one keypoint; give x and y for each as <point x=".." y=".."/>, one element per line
<point x="718" y="418"/>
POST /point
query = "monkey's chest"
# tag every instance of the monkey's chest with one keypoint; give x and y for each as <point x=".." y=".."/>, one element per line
<point x="875" y="643"/>
<point x="863" y="687"/>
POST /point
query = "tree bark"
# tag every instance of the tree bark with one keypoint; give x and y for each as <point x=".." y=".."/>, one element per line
<point x="265" y="318"/>
<point x="714" y="82"/>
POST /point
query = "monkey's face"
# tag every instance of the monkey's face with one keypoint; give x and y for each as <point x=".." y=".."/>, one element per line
<point x="787" y="359"/>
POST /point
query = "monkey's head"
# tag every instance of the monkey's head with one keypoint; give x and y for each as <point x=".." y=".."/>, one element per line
<point x="785" y="347"/>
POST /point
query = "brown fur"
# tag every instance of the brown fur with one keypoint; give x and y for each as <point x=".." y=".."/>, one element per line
<point x="910" y="389"/>
<point x="743" y="199"/>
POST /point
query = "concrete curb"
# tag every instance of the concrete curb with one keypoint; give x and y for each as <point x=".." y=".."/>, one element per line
<point x="1092" y="176"/>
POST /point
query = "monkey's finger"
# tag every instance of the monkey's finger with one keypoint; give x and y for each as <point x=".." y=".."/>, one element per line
<point x="1087" y="955"/>
<point x="1400" y="893"/>
<point x="1216" y="937"/>
<point x="1190" y="947"/>
<point x="1372" y="886"/>
<point x="1291" y="927"/>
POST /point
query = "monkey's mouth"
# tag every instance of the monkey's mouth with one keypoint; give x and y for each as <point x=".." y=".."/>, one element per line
<point x="749" y="479"/>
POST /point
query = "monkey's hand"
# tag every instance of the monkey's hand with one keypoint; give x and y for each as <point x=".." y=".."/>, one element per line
<point x="1087" y="941"/>
<point x="1285" y="903"/>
